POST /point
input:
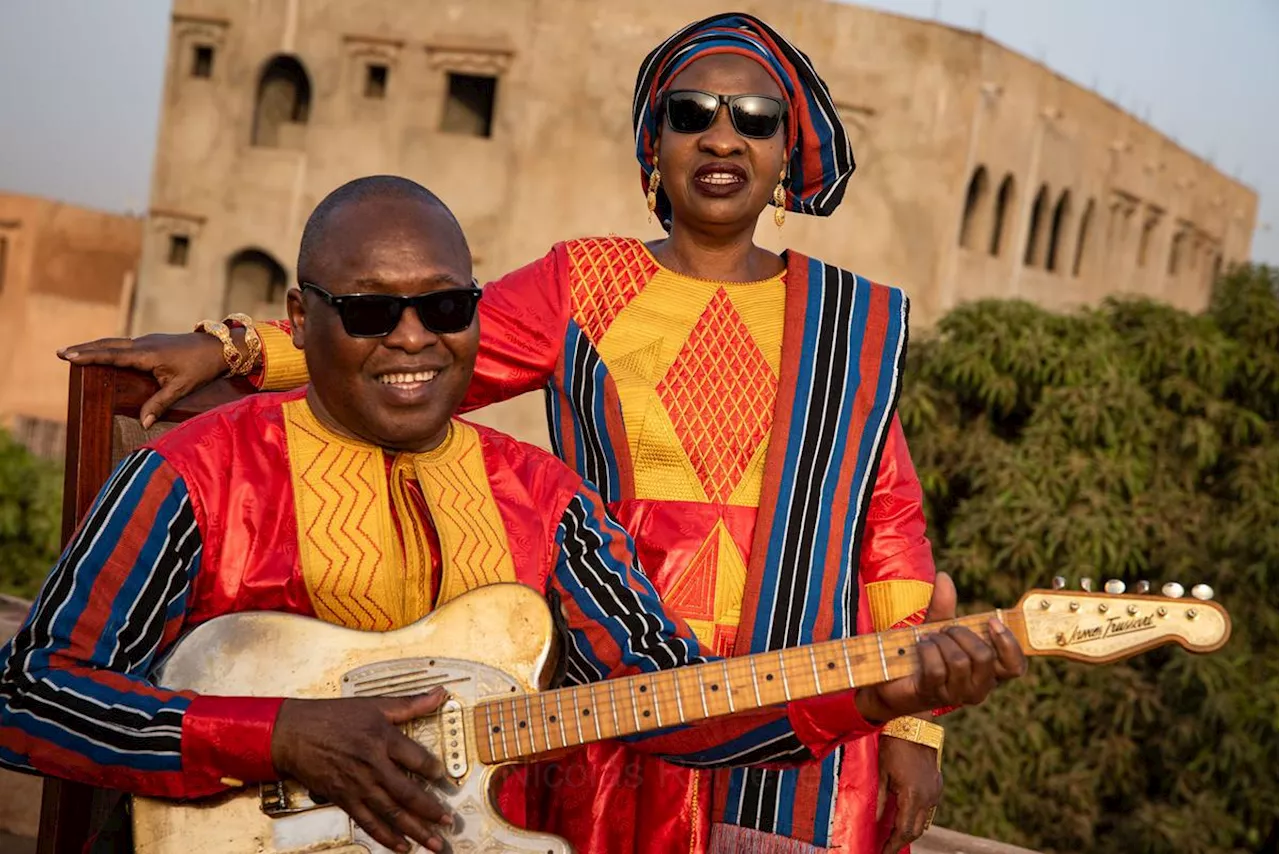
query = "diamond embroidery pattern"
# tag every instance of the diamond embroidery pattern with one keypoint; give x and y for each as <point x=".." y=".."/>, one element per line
<point x="719" y="394"/>
<point x="605" y="274"/>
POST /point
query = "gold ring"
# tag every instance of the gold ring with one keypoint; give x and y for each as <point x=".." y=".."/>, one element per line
<point x="928" y="819"/>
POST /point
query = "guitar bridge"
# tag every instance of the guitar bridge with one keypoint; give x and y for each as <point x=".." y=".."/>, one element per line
<point x="284" y="797"/>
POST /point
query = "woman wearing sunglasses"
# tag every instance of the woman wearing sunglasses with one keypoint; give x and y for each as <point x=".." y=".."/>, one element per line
<point x="735" y="407"/>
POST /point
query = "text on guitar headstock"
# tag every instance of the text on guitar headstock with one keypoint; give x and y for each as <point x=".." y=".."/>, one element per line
<point x="1111" y="625"/>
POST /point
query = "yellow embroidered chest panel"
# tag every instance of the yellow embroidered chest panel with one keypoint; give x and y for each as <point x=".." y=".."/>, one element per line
<point x="361" y="569"/>
<point x="696" y="366"/>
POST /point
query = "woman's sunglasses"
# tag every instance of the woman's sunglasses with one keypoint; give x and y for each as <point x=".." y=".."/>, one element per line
<point x="377" y="315"/>
<point x="753" y="116"/>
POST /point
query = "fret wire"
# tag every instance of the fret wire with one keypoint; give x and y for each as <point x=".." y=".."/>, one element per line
<point x="502" y="727"/>
<point x="817" y="677"/>
<point x="614" y="702"/>
<point x="755" y="681"/>
<point x="595" y="715"/>
<point x="657" y="706"/>
<point x="702" y="685"/>
<point x="577" y="715"/>
<point x="848" y="664"/>
<point x="782" y="669"/>
<point x="679" y="703"/>
<point x="915" y="633"/>
<point x="564" y="737"/>
<point x="488" y="728"/>
<point x="728" y="689"/>
<point x="515" y="724"/>
<point x="884" y="665"/>
<point x="528" y="710"/>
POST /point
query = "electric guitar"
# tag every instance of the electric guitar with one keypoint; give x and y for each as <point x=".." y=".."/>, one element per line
<point x="492" y="649"/>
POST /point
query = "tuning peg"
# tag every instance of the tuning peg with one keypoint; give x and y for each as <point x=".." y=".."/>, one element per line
<point x="1086" y="584"/>
<point x="1172" y="590"/>
<point x="1142" y="587"/>
<point x="1059" y="582"/>
<point x="1114" y="586"/>
<point x="1202" y="592"/>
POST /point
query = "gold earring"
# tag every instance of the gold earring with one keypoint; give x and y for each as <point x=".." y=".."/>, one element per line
<point x="780" y="199"/>
<point x="655" y="178"/>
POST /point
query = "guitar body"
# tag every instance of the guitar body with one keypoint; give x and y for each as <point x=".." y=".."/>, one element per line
<point x="496" y="640"/>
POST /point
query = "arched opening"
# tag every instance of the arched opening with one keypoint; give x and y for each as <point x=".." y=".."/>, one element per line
<point x="1082" y="238"/>
<point x="1061" y="213"/>
<point x="1035" y="230"/>
<point x="975" y="203"/>
<point x="1004" y="199"/>
<point x="1144" y="240"/>
<point x="255" y="284"/>
<point x="283" y="104"/>
<point x="1175" y="253"/>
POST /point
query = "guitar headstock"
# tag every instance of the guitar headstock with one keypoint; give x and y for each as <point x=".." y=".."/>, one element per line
<point x="1115" y="624"/>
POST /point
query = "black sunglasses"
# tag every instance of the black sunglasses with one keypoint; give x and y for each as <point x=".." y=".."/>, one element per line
<point x="377" y="315"/>
<point x="753" y="116"/>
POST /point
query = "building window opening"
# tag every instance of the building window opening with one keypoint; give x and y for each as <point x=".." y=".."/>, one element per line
<point x="1061" y="213"/>
<point x="284" y="104"/>
<point x="1004" y="198"/>
<point x="202" y="61"/>
<point x="1082" y="238"/>
<point x="179" y="247"/>
<point x="1035" y="230"/>
<point x="468" y="108"/>
<point x="1175" y="251"/>
<point x="1144" y="242"/>
<point x="255" y="284"/>
<point x="375" y="81"/>
<point x="975" y="202"/>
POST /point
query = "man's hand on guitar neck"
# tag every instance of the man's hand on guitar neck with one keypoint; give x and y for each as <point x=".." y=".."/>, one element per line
<point x="957" y="668"/>
<point x="353" y="753"/>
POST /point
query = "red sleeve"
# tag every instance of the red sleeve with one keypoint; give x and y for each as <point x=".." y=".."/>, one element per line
<point x="523" y="318"/>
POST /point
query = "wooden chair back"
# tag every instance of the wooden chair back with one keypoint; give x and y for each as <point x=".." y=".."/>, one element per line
<point x="103" y="428"/>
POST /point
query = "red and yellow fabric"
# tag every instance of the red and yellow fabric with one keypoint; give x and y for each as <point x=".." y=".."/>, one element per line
<point x="685" y="376"/>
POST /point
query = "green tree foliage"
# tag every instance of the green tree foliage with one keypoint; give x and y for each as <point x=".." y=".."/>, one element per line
<point x="30" y="513"/>
<point x="1133" y="441"/>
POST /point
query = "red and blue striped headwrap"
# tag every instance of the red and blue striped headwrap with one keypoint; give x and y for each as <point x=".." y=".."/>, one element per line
<point x="821" y="158"/>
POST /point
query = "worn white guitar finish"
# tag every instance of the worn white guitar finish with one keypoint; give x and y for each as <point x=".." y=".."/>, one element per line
<point x="492" y="649"/>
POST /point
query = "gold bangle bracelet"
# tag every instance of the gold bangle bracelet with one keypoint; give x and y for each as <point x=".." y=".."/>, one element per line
<point x="230" y="352"/>
<point x="252" y="340"/>
<point x="918" y="731"/>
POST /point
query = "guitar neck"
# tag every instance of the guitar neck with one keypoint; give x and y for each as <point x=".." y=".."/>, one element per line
<point x="528" y="725"/>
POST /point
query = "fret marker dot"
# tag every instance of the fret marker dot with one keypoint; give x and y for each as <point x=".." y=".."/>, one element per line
<point x="646" y="713"/>
<point x="831" y="665"/>
<point x="644" y="688"/>
<point x="552" y="719"/>
<point x="586" y="713"/>
<point x="768" y="677"/>
<point x="522" y="725"/>
<point x="715" y="687"/>
<point x="901" y="651"/>
<point x="497" y="729"/>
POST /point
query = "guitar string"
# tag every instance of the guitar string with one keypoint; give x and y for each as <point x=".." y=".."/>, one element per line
<point x="665" y="688"/>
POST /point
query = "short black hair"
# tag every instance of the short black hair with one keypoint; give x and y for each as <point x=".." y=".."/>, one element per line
<point x="360" y="189"/>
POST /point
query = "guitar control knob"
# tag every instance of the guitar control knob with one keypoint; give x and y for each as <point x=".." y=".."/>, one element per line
<point x="1059" y="582"/>
<point x="1115" y="587"/>
<point x="1086" y="584"/>
<point x="1202" y="592"/>
<point x="1142" y="588"/>
<point x="1173" y="590"/>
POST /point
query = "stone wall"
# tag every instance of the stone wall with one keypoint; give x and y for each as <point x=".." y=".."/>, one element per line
<point x="268" y="106"/>
<point x="66" y="275"/>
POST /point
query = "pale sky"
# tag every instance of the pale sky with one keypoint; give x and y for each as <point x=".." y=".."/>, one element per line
<point x="80" y="83"/>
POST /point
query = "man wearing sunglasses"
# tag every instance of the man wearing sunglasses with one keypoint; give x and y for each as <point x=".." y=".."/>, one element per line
<point x="360" y="499"/>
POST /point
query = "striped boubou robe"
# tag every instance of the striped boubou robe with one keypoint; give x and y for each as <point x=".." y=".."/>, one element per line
<point x="745" y="435"/>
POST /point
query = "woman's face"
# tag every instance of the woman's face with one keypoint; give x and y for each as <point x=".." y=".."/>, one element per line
<point x="717" y="177"/>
